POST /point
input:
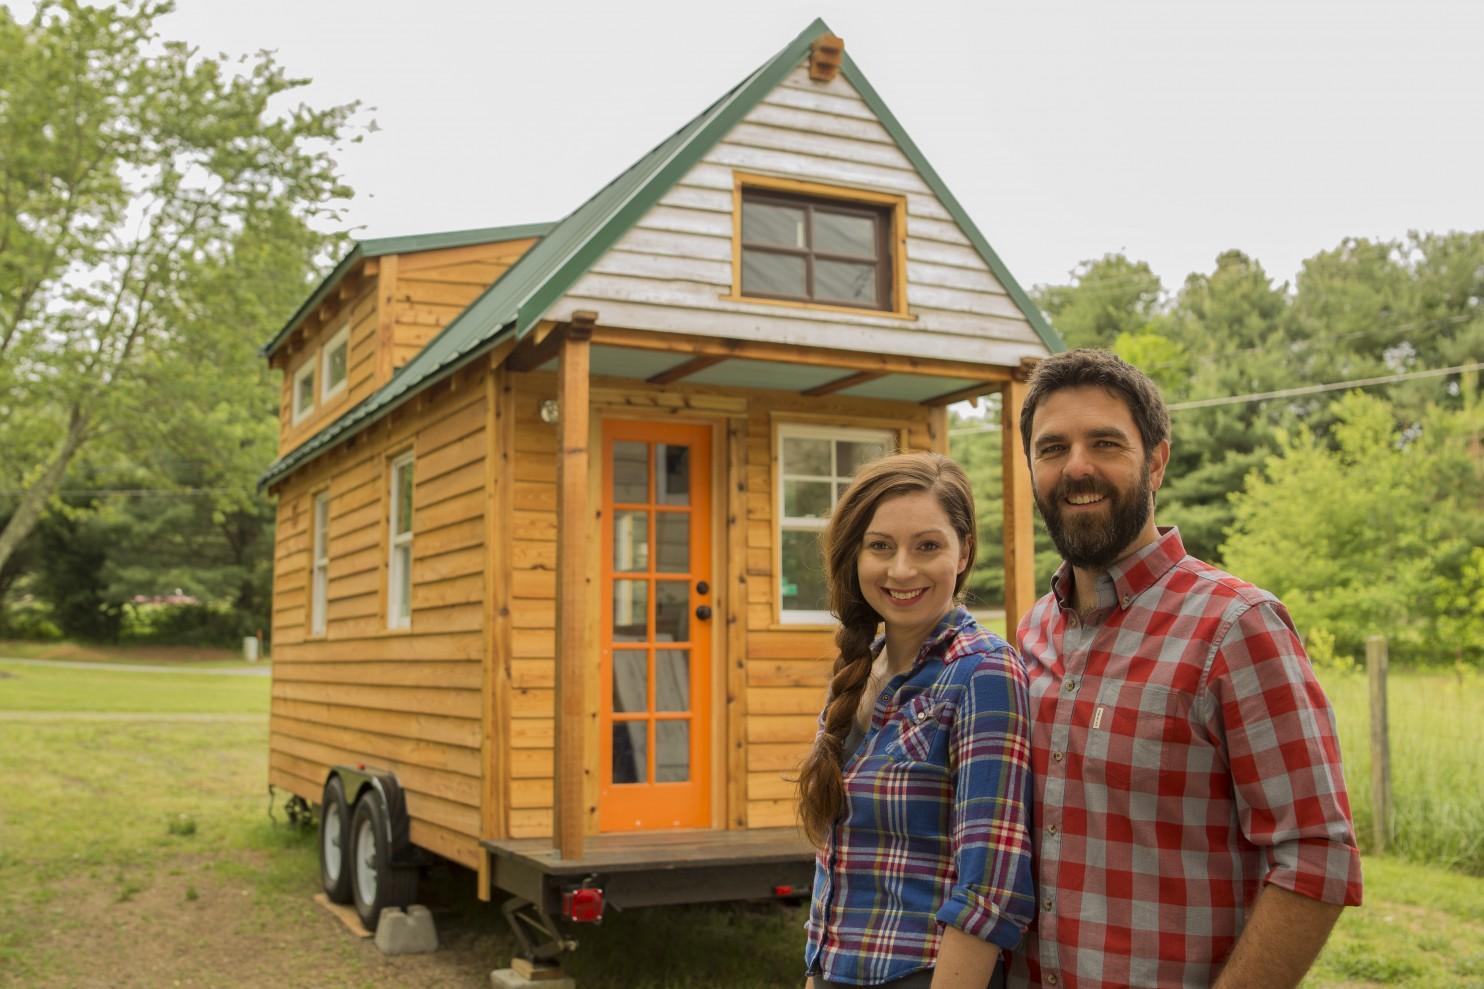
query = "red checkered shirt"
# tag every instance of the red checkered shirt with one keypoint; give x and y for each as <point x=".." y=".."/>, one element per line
<point x="1184" y="756"/>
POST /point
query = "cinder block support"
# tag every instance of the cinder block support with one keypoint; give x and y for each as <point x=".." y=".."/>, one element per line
<point x="509" y="978"/>
<point x="409" y="933"/>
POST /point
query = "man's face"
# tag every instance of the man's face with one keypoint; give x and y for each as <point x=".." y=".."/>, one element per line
<point x="1094" y="484"/>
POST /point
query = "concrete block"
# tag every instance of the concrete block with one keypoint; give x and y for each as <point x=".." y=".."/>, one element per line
<point x="409" y="933"/>
<point x="509" y="978"/>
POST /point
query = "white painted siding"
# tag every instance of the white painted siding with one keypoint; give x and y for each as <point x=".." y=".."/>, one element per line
<point x="673" y="268"/>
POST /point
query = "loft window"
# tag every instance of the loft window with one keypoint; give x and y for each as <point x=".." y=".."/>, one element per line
<point x="304" y="390"/>
<point x="815" y="465"/>
<point x="802" y="248"/>
<point x="337" y="359"/>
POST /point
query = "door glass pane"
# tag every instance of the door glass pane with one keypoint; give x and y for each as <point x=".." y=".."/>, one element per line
<point x="764" y="273"/>
<point x="672" y="542"/>
<point x="851" y="455"/>
<point x="806" y="455"/>
<point x="630" y="680"/>
<point x="766" y="223"/>
<point x="806" y="499"/>
<point x="671" y="474"/>
<point x="839" y="233"/>
<point x="630" y="541"/>
<point x="845" y="281"/>
<point x="803" y="584"/>
<point x="630" y="753"/>
<point x="630" y="610"/>
<point x="672" y="611"/>
<point x="630" y="472"/>
<point x="671" y="751"/>
<point x="672" y="680"/>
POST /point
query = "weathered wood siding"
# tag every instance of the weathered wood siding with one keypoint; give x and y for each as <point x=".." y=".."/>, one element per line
<point x="784" y="669"/>
<point x="433" y="287"/>
<point x="672" y="270"/>
<point x="409" y="700"/>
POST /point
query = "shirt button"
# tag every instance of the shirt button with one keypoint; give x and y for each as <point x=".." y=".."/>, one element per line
<point x="1070" y="686"/>
<point x="1046" y="904"/>
<point x="1057" y="756"/>
<point x="1051" y="978"/>
<point x="1072" y="619"/>
<point x="1051" y="829"/>
<point x="1127" y="600"/>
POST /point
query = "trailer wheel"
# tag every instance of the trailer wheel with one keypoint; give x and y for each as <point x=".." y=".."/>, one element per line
<point x="334" y="842"/>
<point x="377" y="883"/>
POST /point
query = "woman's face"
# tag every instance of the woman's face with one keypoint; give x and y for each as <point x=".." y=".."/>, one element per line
<point x="909" y="559"/>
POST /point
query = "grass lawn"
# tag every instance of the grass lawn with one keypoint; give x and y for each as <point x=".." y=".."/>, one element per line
<point x="142" y="854"/>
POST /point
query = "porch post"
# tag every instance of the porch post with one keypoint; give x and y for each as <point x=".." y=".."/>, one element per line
<point x="1020" y="546"/>
<point x="574" y="583"/>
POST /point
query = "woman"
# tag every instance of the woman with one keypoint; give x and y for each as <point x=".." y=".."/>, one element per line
<point x="916" y="793"/>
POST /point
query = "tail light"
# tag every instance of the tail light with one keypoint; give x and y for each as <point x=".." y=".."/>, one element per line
<point x="583" y="905"/>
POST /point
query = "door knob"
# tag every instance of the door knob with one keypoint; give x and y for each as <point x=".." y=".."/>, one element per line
<point x="703" y="611"/>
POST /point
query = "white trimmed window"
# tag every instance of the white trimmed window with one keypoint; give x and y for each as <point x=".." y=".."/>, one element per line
<point x="319" y="593"/>
<point x="336" y="357"/>
<point x="815" y="465"/>
<point x="399" y="562"/>
<point x="304" y="390"/>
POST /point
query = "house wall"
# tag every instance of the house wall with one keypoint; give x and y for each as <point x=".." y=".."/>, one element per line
<point x="392" y="315"/>
<point x="673" y="269"/>
<point x="408" y="700"/>
<point x="772" y="698"/>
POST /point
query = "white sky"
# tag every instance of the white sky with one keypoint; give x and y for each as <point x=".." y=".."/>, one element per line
<point x="1168" y="129"/>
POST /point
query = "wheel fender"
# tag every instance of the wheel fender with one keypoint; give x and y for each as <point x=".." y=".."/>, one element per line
<point x="357" y="780"/>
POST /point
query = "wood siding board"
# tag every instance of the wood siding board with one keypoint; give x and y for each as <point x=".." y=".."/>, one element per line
<point x="736" y="651"/>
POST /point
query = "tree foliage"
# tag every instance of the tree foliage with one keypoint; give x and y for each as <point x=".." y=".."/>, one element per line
<point x="137" y="176"/>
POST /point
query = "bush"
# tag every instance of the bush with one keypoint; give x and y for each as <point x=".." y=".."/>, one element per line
<point x="182" y="625"/>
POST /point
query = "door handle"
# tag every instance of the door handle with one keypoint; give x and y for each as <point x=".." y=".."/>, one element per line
<point x="703" y="611"/>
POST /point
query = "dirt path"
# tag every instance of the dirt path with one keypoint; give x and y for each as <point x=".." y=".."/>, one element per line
<point x="148" y="716"/>
<point x="140" y="667"/>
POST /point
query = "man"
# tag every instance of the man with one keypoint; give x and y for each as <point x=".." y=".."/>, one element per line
<point x="1191" y="821"/>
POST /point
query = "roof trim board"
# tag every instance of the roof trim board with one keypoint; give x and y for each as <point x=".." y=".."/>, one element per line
<point x="519" y="299"/>
<point x="410" y="244"/>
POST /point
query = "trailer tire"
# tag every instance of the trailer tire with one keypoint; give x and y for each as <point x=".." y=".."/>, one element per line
<point x="334" y="842"/>
<point x="377" y="883"/>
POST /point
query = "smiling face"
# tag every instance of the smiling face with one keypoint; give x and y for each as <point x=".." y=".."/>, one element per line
<point x="1094" y="483"/>
<point x="909" y="562"/>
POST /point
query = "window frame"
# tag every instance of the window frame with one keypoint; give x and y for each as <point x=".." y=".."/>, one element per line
<point x="328" y="391"/>
<point x="892" y="439"/>
<point x="319" y="564"/>
<point x="396" y="562"/>
<point x="306" y="369"/>
<point x="890" y="210"/>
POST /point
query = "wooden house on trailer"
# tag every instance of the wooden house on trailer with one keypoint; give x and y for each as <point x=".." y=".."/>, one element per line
<point x="548" y="599"/>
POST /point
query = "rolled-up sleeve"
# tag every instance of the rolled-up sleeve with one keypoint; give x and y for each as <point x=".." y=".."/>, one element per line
<point x="992" y="897"/>
<point x="1283" y="754"/>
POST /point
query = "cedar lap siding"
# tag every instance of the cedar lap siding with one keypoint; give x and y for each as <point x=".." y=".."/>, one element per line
<point x="461" y="704"/>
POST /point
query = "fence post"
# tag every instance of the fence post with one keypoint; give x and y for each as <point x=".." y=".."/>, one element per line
<point x="1375" y="661"/>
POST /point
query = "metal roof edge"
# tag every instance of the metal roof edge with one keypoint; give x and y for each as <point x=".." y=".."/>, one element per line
<point x="408" y="244"/>
<point x="1032" y="312"/>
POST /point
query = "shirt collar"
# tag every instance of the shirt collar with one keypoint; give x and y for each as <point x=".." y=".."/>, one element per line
<point x="937" y="640"/>
<point x="1130" y="576"/>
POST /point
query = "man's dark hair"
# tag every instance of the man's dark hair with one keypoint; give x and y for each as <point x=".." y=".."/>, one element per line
<point x="1102" y="369"/>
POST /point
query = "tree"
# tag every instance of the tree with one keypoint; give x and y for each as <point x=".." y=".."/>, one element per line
<point x="132" y="170"/>
<point x="1108" y="297"/>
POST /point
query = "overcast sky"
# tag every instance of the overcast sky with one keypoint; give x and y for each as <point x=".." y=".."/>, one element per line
<point x="1167" y="129"/>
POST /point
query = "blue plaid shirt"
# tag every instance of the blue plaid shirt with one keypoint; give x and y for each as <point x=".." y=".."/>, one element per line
<point x="936" y="827"/>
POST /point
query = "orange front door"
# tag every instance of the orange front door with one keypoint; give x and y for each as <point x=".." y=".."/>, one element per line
<point x="656" y="627"/>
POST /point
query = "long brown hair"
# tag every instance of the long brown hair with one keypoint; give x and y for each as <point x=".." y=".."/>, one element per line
<point x="821" y="785"/>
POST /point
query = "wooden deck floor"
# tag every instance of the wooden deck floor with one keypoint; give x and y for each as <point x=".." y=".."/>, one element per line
<point x="650" y="851"/>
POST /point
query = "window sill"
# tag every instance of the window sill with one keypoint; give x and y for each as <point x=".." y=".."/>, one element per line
<point x="822" y="307"/>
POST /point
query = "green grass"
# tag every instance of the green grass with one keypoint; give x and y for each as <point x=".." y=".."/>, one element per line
<point x="48" y="688"/>
<point x="1436" y="723"/>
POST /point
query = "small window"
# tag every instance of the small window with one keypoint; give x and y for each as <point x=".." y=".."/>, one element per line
<point x="815" y="465"/>
<point x="337" y="360"/>
<point x="399" y="563"/>
<point x="806" y="249"/>
<point x="320" y="583"/>
<point x="304" y="390"/>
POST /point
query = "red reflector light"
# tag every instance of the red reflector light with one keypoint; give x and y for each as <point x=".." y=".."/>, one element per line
<point x="783" y="891"/>
<point x="583" y="906"/>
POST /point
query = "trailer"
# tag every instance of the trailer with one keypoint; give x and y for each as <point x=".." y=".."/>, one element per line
<point x="547" y="594"/>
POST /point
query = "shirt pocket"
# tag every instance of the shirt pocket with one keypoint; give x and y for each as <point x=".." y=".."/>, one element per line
<point x="916" y="728"/>
<point x="1139" y="733"/>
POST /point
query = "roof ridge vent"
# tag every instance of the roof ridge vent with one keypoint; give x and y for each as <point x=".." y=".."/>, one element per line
<point x="825" y="56"/>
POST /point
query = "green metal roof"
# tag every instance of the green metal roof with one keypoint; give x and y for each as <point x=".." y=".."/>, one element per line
<point x="401" y="245"/>
<point x="519" y="299"/>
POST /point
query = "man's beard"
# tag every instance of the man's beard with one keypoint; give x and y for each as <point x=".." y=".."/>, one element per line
<point x="1092" y="540"/>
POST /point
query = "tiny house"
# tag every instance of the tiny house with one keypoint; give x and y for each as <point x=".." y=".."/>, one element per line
<point x="547" y="594"/>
